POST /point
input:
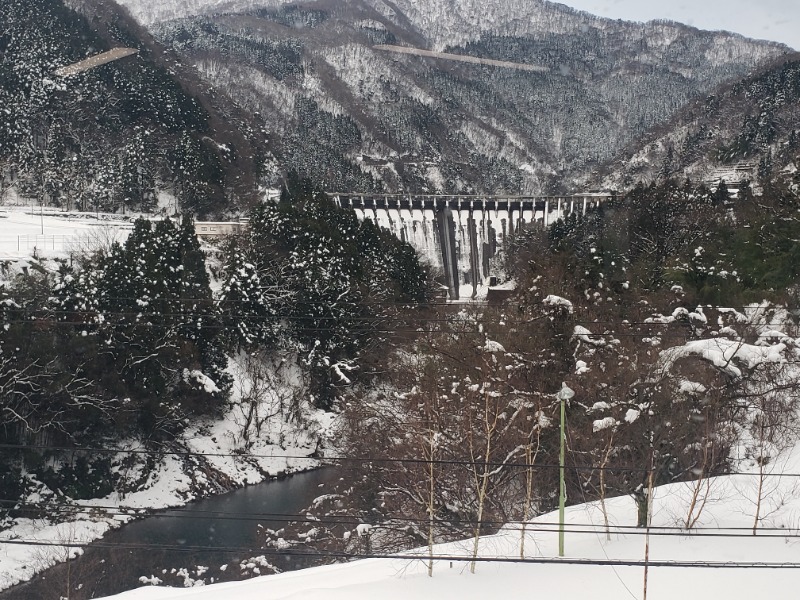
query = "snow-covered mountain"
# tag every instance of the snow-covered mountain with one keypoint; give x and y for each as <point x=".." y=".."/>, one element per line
<point x="120" y="136"/>
<point x="353" y="115"/>
<point x="745" y="131"/>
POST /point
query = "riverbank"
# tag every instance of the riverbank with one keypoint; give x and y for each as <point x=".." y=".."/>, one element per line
<point x="210" y="457"/>
<point x="212" y="540"/>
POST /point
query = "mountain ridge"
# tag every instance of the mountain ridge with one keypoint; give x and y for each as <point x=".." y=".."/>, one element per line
<point x="354" y="117"/>
<point x="311" y="88"/>
<point x="744" y="131"/>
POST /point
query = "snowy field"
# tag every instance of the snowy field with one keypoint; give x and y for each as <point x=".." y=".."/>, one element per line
<point x="47" y="233"/>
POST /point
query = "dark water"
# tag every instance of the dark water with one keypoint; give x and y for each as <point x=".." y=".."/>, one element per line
<point x="230" y="519"/>
<point x="184" y="538"/>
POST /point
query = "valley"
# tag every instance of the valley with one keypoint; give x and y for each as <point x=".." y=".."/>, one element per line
<point x="505" y="296"/>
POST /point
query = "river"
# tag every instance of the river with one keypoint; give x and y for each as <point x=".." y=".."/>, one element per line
<point x="182" y="542"/>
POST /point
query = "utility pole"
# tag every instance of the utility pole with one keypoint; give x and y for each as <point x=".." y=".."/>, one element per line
<point x="564" y="395"/>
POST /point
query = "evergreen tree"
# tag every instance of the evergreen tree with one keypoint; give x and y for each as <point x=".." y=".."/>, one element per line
<point x="160" y="328"/>
<point x="248" y="316"/>
<point x="335" y="279"/>
<point x="201" y="325"/>
<point x="721" y="195"/>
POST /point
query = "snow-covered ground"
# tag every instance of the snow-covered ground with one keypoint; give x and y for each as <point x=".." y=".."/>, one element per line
<point x="47" y="233"/>
<point x="722" y="537"/>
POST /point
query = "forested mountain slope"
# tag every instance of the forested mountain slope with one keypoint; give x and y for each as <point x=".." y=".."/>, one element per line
<point x="746" y="130"/>
<point x="357" y="117"/>
<point x="113" y="137"/>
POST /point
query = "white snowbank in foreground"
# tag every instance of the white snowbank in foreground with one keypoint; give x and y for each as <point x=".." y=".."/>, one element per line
<point x="730" y="506"/>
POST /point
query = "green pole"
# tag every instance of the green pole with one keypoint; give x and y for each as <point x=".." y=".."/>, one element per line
<point x="562" y="486"/>
<point x="564" y="395"/>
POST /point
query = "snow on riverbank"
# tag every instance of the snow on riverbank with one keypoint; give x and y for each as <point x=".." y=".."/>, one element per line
<point x="723" y="534"/>
<point x="219" y="461"/>
<point x="263" y="433"/>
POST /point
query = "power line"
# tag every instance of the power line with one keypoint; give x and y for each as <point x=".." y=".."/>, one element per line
<point x="356" y="459"/>
<point x="283" y="552"/>
<point x="65" y="506"/>
<point x="361" y="302"/>
<point x="390" y="522"/>
<point x="655" y="319"/>
<point x="638" y="310"/>
<point x="43" y="313"/>
<point x="478" y="331"/>
<point x="348" y="320"/>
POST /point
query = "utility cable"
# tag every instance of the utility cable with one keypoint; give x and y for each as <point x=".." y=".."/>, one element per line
<point x="354" y="459"/>
<point x="415" y="557"/>
<point x="391" y="521"/>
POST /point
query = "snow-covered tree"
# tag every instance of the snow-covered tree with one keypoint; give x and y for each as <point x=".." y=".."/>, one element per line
<point x="333" y="280"/>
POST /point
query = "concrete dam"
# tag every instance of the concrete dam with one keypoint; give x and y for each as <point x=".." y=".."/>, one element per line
<point x="463" y="234"/>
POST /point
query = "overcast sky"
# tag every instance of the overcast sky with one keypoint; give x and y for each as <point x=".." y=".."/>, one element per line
<point x="777" y="20"/>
